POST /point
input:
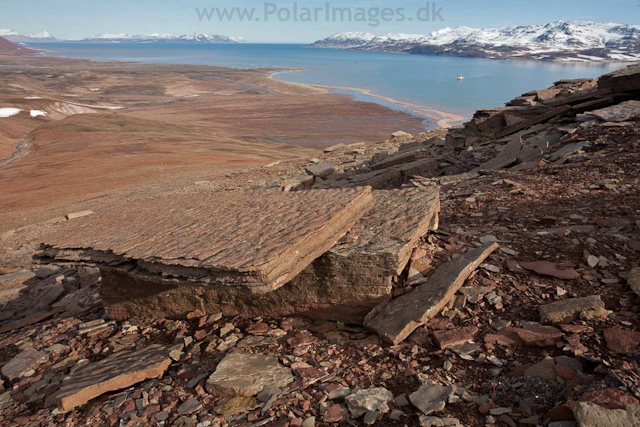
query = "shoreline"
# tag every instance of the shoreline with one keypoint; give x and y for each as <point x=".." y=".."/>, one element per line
<point x="441" y="118"/>
<point x="445" y="120"/>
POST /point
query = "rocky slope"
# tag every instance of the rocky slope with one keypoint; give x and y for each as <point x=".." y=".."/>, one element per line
<point x="10" y="49"/>
<point x="559" y="41"/>
<point x="538" y="236"/>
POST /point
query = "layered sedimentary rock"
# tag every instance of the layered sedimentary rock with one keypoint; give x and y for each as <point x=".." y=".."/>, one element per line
<point x="215" y="250"/>
<point x="357" y="274"/>
<point x="343" y="284"/>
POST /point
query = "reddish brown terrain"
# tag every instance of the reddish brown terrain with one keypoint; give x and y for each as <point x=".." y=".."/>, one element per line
<point x="116" y="126"/>
<point x="498" y="265"/>
<point x="12" y="49"/>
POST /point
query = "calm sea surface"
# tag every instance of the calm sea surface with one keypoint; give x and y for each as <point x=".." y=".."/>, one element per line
<point x="426" y="81"/>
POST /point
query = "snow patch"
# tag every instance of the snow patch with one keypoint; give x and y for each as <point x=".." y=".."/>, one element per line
<point x="8" y="112"/>
<point x="37" y="113"/>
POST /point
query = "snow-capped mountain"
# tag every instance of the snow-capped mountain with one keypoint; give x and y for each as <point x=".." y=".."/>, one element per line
<point x="348" y="40"/>
<point x="561" y="40"/>
<point x="8" y="33"/>
<point x="42" y="35"/>
<point x="193" y="38"/>
<point x="16" y="37"/>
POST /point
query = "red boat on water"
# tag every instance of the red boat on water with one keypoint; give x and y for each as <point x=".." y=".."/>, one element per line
<point x="461" y="78"/>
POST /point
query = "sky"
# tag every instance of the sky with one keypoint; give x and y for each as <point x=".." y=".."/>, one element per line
<point x="274" y="21"/>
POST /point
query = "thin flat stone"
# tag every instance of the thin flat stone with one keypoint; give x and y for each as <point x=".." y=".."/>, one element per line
<point x="117" y="371"/>
<point x="507" y="156"/>
<point x="622" y="112"/>
<point x="247" y="374"/>
<point x="254" y="239"/>
<point x="592" y="415"/>
<point x="431" y="397"/>
<point x="23" y="362"/>
<point x="396" y="320"/>
<point x="567" y="310"/>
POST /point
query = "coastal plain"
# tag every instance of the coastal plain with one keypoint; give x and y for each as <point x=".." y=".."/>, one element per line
<point x="88" y="132"/>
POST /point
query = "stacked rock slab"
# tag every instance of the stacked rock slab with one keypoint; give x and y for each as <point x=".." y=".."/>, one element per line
<point x="171" y="254"/>
<point x="357" y="274"/>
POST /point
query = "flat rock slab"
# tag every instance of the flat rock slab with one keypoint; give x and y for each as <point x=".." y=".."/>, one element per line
<point x="247" y="374"/>
<point x="15" y="282"/>
<point x="431" y="397"/>
<point x="622" y="112"/>
<point x="23" y="362"/>
<point x="548" y="268"/>
<point x="396" y="320"/>
<point x="257" y="240"/>
<point x="426" y="421"/>
<point x="115" y="372"/>
<point x="592" y="415"/>
<point x="534" y="336"/>
<point x="454" y="337"/>
<point x="567" y="310"/>
<point x="567" y="150"/>
<point x="507" y="156"/>
<point x="621" y="340"/>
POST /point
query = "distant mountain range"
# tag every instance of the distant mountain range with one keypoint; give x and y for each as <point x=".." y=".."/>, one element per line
<point x="569" y="41"/>
<point x="16" y="37"/>
<point x="193" y="38"/>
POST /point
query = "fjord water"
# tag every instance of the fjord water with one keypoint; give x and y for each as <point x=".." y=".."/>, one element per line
<point x="427" y="81"/>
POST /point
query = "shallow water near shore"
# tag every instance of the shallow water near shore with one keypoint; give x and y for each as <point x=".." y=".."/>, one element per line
<point x="427" y="81"/>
